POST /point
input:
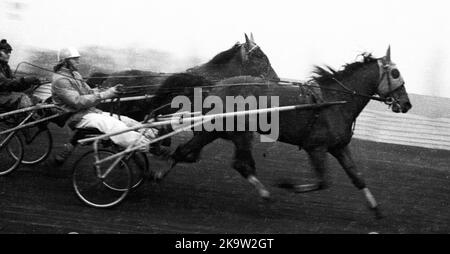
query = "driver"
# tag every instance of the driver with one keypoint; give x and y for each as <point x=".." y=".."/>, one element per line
<point x="71" y="93"/>
<point x="11" y="88"/>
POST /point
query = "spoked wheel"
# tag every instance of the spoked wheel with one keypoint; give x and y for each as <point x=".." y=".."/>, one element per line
<point x="138" y="163"/>
<point x="11" y="152"/>
<point x="38" y="145"/>
<point x="98" y="191"/>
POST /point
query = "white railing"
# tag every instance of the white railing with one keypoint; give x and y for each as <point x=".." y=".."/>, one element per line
<point x="403" y="129"/>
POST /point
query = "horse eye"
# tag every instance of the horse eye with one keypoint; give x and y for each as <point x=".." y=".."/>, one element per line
<point x="395" y="73"/>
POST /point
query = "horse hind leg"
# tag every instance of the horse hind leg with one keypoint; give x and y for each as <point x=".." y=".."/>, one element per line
<point x="317" y="159"/>
<point x="344" y="157"/>
<point x="262" y="191"/>
<point x="244" y="162"/>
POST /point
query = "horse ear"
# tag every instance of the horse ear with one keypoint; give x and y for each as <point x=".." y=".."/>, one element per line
<point x="247" y="41"/>
<point x="388" y="54"/>
<point x="251" y="37"/>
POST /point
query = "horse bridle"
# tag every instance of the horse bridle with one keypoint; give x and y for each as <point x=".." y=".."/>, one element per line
<point x="389" y="100"/>
<point x="253" y="48"/>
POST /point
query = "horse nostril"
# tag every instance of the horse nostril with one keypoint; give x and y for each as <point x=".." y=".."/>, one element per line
<point x="406" y="107"/>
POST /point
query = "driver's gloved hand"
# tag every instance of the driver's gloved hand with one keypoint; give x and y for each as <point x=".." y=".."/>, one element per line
<point x="31" y="81"/>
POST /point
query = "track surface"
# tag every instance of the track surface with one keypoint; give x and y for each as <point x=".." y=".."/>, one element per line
<point x="411" y="184"/>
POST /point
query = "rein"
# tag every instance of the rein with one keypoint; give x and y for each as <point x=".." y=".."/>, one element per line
<point x="347" y="91"/>
<point x="44" y="69"/>
<point x="129" y="89"/>
<point x="387" y="100"/>
<point x="109" y="76"/>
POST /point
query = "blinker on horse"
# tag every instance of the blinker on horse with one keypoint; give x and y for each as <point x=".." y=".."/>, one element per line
<point x="318" y="132"/>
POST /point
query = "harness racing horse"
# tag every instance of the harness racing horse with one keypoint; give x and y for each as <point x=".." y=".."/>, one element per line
<point x="241" y="59"/>
<point x="317" y="131"/>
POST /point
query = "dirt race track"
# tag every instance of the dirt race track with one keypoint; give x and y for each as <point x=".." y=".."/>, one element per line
<point x="411" y="184"/>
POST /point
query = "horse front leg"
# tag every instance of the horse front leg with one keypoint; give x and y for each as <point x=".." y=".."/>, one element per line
<point x="188" y="152"/>
<point x="343" y="155"/>
<point x="244" y="162"/>
<point x="318" y="160"/>
<point x="317" y="157"/>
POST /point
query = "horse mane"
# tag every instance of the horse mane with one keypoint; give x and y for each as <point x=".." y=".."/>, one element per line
<point x="326" y="75"/>
<point x="96" y="78"/>
<point x="225" y="56"/>
<point x="221" y="58"/>
<point x="241" y="80"/>
<point x="132" y="72"/>
<point x="181" y="83"/>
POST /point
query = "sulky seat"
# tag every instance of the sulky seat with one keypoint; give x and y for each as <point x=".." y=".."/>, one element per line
<point x="82" y="133"/>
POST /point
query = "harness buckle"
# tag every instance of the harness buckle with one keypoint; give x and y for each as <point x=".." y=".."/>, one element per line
<point x="389" y="101"/>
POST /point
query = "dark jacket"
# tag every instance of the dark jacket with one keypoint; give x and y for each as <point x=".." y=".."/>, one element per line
<point x="8" y="83"/>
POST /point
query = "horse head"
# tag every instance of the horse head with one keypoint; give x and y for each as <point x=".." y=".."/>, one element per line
<point x="241" y="59"/>
<point x="255" y="62"/>
<point x="391" y="84"/>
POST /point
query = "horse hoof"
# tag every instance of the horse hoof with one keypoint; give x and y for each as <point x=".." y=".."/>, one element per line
<point x="302" y="188"/>
<point x="156" y="176"/>
<point x="378" y="214"/>
<point x="264" y="194"/>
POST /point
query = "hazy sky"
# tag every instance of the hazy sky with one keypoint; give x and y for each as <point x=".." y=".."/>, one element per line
<point x="294" y="34"/>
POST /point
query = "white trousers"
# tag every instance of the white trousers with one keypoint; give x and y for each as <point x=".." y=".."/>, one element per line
<point x="106" y="123"/>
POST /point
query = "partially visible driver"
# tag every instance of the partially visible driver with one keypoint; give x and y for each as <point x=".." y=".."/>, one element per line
<point x="11" y="88"/>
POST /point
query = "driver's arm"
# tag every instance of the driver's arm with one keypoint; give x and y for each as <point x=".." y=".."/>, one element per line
<point x="63" y="89"/>
<point x="13" y="85"/>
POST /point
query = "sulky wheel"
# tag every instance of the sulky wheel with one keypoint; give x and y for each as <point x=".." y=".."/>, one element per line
<point x="11" y="152"/>
<point x="138" y="163"/>
<point x="38" y="145"/>
<point x="98" y="191"/>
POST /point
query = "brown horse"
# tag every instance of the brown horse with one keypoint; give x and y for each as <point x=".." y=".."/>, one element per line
<point x="241" y="59"/>
<point x="318" y="131"/>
